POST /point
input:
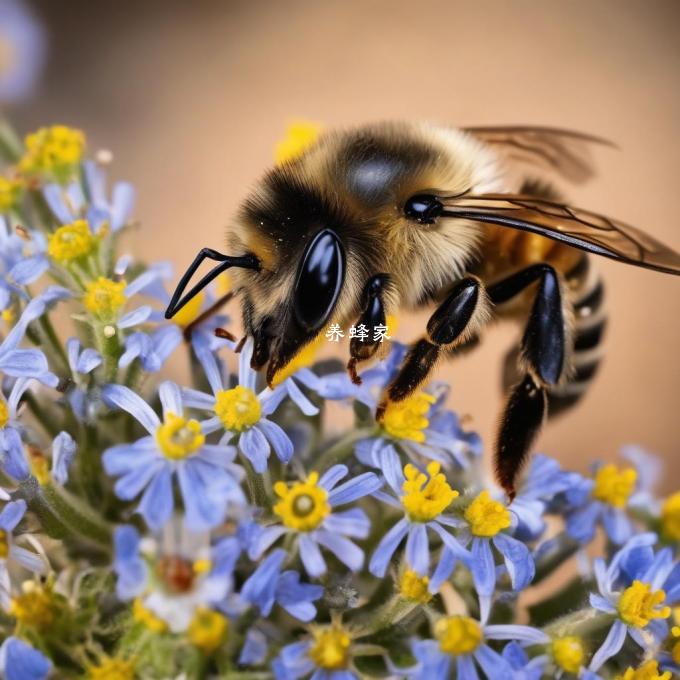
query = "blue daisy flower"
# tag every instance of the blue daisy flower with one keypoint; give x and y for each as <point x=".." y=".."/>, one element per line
<point x="422" y="497"/>
<point x="64" y="450"/>
<point x="20" y="661"/>
<point x="81" y="362"/>
<point x="152" y="349"/>
<point x="175" y="447"/>
<point x="268" y="585"/>
<point x="307" y="511"/>
<point x="637" y="588"/>
<point x="241" y="411"/>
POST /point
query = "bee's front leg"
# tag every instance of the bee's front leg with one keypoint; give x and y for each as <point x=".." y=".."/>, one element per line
<point x="455" y="321"/>
<point x="363" y="348"/>
<point x="543" y="358"/>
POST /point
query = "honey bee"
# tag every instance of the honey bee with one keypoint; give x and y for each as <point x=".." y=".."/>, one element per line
<point x="398" y="216"/>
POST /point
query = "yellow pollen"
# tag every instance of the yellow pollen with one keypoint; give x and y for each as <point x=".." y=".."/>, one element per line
<point x="303" y="505"/>
<point x="202" y="566"/>
<point x="568" y="653"/>
<point x="70" y="242"/>
<point x="330" y="649"/>
<point x="414" y="587"/>
<point x="112" y="669"/>
<point x="407" y="419"/>
<point x="40" y="467"/>
<point x="304" y="358"/>
<point x="10" y="192"/>
<point x="238" y="409"/>
<point x="146" y="617"/>
<point x="614" y="486"/>
<point x="300" y="135"/>
<point x="486" y="516"/>
<point x="35" y="607"/>
<point x="190" y="311"/>
<point x="54" y="151"/>
<point x="425" y="496"/>
<point x="4" y="412"/>
<point x="4" y="544"/>
<point x="207" y="630"/>
<point x="178" y="437"/>
<point x="639" y="604"/>
<point x="9" y="315"/>
<point x="647" y="671"/>
<point x="675" y="649"/>
<point x="104" y="298"/>
<point x="458" y="635"/>
<point x="670" y="517"/>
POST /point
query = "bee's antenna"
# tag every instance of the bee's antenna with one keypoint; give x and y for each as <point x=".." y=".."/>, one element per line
<point x="249" y="261"/>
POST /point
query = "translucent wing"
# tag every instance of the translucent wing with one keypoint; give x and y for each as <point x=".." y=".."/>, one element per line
<point x="579" y="228"/>
<point x="566" y="152"/>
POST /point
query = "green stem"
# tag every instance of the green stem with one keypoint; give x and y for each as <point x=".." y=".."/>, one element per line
<point x="110" y="349"/>
<point x="583" y="623"/>
<point x="344" y="447"/>
<point x="11" y="147"/>
<point x="384" y="616"/>
<point x="53" y="339"/>
<point x="42" y="414"/>
<point x="257" y="489"/>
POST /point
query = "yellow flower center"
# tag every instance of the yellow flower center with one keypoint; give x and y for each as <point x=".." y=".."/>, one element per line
<point x="10" y="191"/>
<point x="425" y="496"/>
<point x="486" y="516"/>
<point x="35" y="607"/>
<point x="458" y="635"/>
<point x="71" y="241"/>
<point x="4" y="544"/>
<point x="238" y="408"/>
<point x="330" y="649"/>
<point x="614" y="486"/>
<point x="675" y="649"/>
<point x="207" y="630"/>
<point x="648" y="671"/>
<point x="4" y="412"/>
<point x="300" y="135"/>
<point x="178" y="437"/>
<point x="8" y="315"/>
<point x="104" y="298"/>
<point x="303" y="505"/>
<point x="414" y="587"/>
<point x="670" y="517"/>
<point x="407" y="419"/>
<point x="40" y="467"/>
<point x="147" y="618"/>
<point x="56" y="150"/>
<point x="304" y="358"/>
<point x="568" y="653"/>
<point x="639" y="604"/>
<point x="112" y="669"/>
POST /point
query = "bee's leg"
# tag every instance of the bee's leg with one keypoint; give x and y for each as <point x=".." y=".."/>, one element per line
<point x="456" y="320"/>
<point x="542" y="359"/>
<point x="362" y="349"/>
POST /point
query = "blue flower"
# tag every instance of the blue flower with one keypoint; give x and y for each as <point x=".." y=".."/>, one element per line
<point x="20" y="661"/>
<point x="602" y="499"/>
<point x="241" y="411"/>
<point x="208" y="478"/>
<point x="81" y="363"/>
<point x="153" y="349"/>
<point x="23" y="43"/>
<point x="69" y="203"/>
<point x="173" y="575"/>
<point x="422" y="497"/>
<point x="63" y="452"/>
<point x="306" y="509"/>
<point x="10" y="517"/>
<point x="268" y="585"/>
<point x="631" y="589"/>
<point x="461" y="643"/>
<point x="523" y="668"/>
<point x="12" y="458"/>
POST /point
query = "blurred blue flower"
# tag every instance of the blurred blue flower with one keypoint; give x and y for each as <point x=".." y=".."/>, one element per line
<point x="152" y="349"/>
<point x="268" y="585"/>
<point x="207" y="475"/>
<point x="12" y="458"/>
<point x="63" y="452"/>
<point x="241" y="411"/>
<point x="22" y="45"/>
<point x="20" y="661"/>
<point x="82" y="363"/>
<point x="307" y="510"/>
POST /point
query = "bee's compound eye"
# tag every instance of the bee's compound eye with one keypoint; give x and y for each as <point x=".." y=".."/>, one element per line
<point x="319" y="280"/>
<point x="423" y="208"/>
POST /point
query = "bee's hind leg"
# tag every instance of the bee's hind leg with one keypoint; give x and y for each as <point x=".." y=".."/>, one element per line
<point x="543" y="360"/>
<point x="456" y="320"/>
<point x="363" y="348"/>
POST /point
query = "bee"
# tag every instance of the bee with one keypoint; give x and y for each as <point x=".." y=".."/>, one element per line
<point x="398" y="216"/>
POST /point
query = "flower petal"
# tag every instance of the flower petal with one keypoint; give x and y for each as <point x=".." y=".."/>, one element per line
<point x="388" y="544"/>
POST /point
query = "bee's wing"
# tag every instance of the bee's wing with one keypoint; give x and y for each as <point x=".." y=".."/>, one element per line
<point x="579" y="228"/>
<point x="565" y="152"/>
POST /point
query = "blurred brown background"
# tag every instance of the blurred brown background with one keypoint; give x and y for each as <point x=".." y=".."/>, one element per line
<point x="192" y="96"/>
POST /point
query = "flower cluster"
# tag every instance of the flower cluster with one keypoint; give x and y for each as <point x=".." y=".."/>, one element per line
<point x="150" y="528"/>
